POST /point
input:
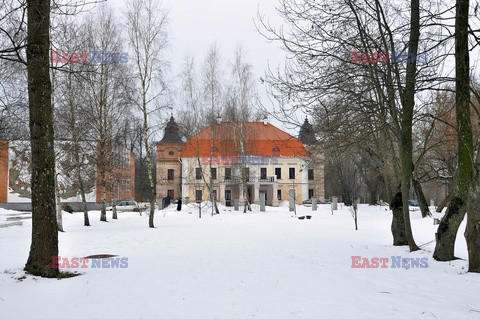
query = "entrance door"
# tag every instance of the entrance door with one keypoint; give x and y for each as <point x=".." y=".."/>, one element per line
<point x="228" y="197"/>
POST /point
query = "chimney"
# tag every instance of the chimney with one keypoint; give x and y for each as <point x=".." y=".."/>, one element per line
<point x="265" y="120"/>
<point x="219" y="119"/>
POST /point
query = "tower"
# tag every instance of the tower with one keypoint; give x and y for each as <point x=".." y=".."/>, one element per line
<point x="316" y="167"/>
<point x="169" y="166"/>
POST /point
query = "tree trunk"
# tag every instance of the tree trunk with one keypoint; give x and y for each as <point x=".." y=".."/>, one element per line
<point x="76" y="150"/>
<point x="448" y="228"/>
<point x="44" y="226"/>
<point x="112" y="191"/>
<point x="86" y="220"/>
<point x="103" y="181"/>
<point x="474" y="245"/>
<point x="465" y="136"/>
<point x="372" y="199"/>
<point x="398" y="223"/>
<point x="444" y="202"/>
<point x="103" y="210"/>
<point x="153" y="194"/>
<point x="447" y="231"/>
<point x="472" y="231"/>
<point x="408" y="103"/>
<point x="422" y="201"/>
<point x="210" y="187"/>
<point x="58" y="206"/>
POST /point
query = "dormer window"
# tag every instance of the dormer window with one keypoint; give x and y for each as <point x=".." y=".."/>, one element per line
<point x="214" y="149"/>
<point x="171" y="153"/>
<point x="276" y="149"/>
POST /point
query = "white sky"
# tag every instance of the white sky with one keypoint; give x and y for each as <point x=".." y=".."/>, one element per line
<point x="195" y="25"/>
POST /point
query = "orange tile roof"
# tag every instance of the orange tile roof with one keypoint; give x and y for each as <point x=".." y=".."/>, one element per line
<point x="260" y="139"/>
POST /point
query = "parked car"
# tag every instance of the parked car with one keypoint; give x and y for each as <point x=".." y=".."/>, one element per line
<point x="412" y="202"/>
<point x="126" y="206"/>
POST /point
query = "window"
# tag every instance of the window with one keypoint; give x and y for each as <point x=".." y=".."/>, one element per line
<point x="198" y="195"/>
<point x="310" y="193"/>
<point x="198" y="173"/>
<point x="170" y="174"/>
<point x="278" y="172"/>
<point x="279" y="194"/>
<point x="214" y="149"/>
<point x="263" y="173"/>
<point x="171" y="153"/>
<point x="214" y="194"/>
<point x="228" y="173"/>
<point x="291" y="173"/>
<point x="276" y="149"/>
<point x="310" y="175"/>
<point x="213" y="173"/>
<point x="170" y="193"/>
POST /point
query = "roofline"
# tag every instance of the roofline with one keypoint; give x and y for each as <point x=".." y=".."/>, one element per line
<point x="293" y="137"/>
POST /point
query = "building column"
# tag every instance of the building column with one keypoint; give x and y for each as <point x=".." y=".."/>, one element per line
<point x="274" y="198"/>
<point x="256" y="193"/>
<point x="185" y="182"/>
<point x="241" y="198"/>
<point x="304" y="193"/>
<point x="221" y="196"/>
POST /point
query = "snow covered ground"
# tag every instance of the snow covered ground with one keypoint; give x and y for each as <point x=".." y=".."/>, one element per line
<point x="234" y="265"/>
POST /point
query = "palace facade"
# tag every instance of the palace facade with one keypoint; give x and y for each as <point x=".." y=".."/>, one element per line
<point x="236" y="161"/>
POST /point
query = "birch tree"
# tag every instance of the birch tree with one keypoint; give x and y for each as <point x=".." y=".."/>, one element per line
<point x="147" y="24"/>
<point x="69" y="91"/>
<point x="212" y="83"/>
<point x="109" y="95"/>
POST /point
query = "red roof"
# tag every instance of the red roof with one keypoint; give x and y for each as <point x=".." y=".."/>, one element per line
<point x="259" y="139"/>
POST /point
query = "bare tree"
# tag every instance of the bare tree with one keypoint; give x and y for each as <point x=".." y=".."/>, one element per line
<point x="341" y="49"/>
<point x="13" y="73"/>
<point x="71" y="121"/>
<point x="109" y="98"/>
<point x="241" y="97"/>
<point x="147" y="25"/>
<point x="212" y="83"/>
<point x="447" y="230"/>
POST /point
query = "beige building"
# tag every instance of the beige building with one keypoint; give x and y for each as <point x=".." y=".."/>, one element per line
<point x="239" y="161"/>
<point x="169" y="168"/>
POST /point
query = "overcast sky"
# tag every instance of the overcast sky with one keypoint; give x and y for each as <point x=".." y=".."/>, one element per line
<point x="195" y="25"/>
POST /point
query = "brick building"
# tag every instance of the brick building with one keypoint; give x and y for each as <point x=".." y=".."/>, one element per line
<point x="15" y="173"/>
